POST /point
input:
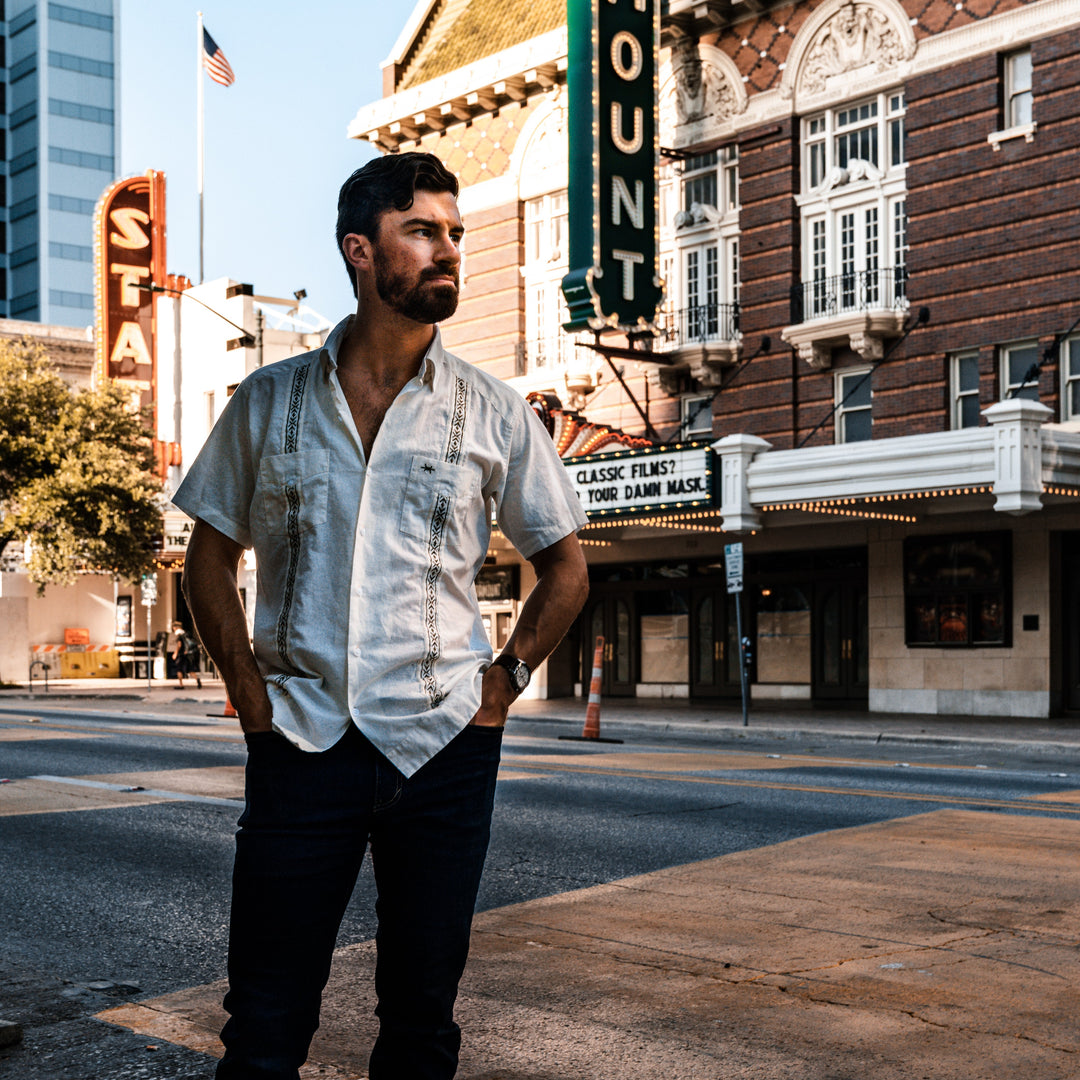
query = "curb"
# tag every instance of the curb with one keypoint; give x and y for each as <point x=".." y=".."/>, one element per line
<point x="732" y="734"/>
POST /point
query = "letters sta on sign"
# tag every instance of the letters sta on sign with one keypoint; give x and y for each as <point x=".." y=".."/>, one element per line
<point x="129" y="252"/>
<point x="612" y="77"/>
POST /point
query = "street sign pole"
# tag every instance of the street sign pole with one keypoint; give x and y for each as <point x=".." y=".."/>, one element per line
<point x="148" y="587"/>
<point x="733" y="563"/>
<point x="742" y="661"/>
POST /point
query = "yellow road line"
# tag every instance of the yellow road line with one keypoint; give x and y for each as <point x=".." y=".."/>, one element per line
<point x="548" y="765"/>
<point x="958" y="800"/>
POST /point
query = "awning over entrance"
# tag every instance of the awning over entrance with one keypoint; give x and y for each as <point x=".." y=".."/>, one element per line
<point x="1016" y="464"/>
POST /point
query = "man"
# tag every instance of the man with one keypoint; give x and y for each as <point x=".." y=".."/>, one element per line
<point x="365" y="475"/>
<point x="182" y="656"/>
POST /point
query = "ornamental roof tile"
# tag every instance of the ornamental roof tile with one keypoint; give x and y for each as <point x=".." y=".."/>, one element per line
<point x="461" y="32"/>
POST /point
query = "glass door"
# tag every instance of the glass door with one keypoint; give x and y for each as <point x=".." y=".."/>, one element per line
<point x="714" y="644"/>
<point x="612" y="617"/>
<point x="1070" y="556"/>
<point x="841" y="642"/>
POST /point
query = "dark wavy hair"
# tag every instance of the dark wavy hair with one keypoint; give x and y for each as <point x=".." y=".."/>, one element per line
<point x="386" y="183"/>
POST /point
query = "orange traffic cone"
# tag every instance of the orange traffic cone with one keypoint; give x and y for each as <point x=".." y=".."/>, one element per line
<point x="230" y="710"/>
<point x="591" y="731"/>
<point x="592" y="710"/>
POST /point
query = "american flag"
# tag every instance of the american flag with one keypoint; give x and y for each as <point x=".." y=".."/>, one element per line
<point x="217" y="67"/>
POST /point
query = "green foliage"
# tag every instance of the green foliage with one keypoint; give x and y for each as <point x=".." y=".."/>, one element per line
<point x="76" y="473"/>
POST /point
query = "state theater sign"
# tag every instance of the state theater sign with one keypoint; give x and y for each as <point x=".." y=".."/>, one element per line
<point x="613" y="283"/>
<point x="129" y="256"/>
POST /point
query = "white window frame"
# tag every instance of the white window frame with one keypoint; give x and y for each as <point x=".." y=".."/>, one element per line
<point x="1008" y="384"/>
<point x="547" y="346"/>
<point x="843" y="411"/>
<point x="702" y="424"/>
<point x="708" y="237"/>
<point x="958" y="394"/>
<point x="1019" y="95"/>
<point x="1070" y="378"/>
<point x="854" y="220"/>
<point x="1018" y="99"/>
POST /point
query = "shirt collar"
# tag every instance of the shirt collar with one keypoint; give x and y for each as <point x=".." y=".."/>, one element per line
<point x="433" y="358"/>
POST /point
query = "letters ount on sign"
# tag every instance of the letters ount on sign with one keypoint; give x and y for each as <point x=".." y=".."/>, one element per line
<point x="613" y="281"/>
<point x="129" y="253"/>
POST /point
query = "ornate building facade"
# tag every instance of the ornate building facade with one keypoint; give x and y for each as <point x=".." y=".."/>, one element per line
<point x="868" y="235"/>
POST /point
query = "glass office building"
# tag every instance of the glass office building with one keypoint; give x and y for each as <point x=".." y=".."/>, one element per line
<point x="62" y="97"/>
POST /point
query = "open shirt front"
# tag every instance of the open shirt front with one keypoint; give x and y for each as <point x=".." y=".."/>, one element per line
<point x="366" y="610"/>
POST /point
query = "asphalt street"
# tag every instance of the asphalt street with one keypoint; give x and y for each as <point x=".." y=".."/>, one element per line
<point x="118" y="819"/>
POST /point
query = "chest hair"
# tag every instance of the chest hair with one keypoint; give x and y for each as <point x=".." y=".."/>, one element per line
<point x="368" y="398"/>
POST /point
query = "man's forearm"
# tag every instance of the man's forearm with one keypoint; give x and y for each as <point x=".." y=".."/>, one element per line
<point x="210" y="586"/>
<point x="562" y="586"/>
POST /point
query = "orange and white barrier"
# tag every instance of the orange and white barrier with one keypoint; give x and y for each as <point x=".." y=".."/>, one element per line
<point x="77" y="661"/>
<point x="592" y="710"/>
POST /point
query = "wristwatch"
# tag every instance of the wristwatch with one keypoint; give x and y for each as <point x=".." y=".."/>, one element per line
<point x="517" y="669"/>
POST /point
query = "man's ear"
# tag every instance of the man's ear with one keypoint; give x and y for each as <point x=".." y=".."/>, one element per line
<point x="357" y="251"/>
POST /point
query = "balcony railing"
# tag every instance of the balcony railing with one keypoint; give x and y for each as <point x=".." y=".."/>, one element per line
<point x="865" y="290"/>
<point x="699" y="325"/>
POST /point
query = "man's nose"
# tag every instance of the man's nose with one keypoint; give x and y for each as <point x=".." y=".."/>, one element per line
<point x="447" y="251"/>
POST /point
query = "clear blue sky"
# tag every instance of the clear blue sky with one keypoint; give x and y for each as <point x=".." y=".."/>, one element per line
<point x="276" y="150"/>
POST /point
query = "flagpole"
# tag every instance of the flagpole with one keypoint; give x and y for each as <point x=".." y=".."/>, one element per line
<point x="199" y="125"/>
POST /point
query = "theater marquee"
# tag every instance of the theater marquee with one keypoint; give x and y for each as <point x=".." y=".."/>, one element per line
<point x="613" y="281"/>
<point x="637" y="481"/>
<point x="129" y="252"/>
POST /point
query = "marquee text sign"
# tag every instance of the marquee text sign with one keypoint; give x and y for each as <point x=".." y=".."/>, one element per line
<point x="643" y="480"/>
<point x="613" y="281"/>
<point x="129" y="252"/>
<point x="177" y="529"/>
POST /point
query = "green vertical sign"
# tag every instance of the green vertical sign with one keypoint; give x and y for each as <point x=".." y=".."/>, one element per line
<point x="613" y="281"/>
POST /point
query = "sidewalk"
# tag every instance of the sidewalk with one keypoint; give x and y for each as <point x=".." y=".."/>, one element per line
<point x="627" y="717"/>
<point x="930" y="946"/>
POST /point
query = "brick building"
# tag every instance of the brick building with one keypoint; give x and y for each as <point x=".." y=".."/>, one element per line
<point x="869" y="236"/>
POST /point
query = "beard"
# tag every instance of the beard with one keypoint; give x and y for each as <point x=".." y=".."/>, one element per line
<point x="419" y="299"/>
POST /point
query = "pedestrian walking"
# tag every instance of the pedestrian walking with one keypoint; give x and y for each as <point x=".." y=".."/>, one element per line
<point x="365" y="476"/>
<point x="184" y="653"/>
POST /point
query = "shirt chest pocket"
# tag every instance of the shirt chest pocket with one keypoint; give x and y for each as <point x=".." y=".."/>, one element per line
<point x="433" y="490"/>
<point x="292" y="491"/>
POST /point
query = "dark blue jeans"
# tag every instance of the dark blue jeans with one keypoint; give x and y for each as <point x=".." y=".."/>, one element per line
<point x="307" y="821"/>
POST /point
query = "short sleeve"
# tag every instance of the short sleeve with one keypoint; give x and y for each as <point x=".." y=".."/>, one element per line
<point x="537" y="505"/>
<point x="220" y="485"/>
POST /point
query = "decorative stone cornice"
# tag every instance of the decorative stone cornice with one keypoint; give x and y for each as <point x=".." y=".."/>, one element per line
<point x="701" y="93"/>
<point x="863" y="331"/>
<point x="845" y="41"/>
<point x="515" y="74"/>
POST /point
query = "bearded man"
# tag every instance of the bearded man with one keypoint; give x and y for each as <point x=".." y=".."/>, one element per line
<point x="365" y="475"/>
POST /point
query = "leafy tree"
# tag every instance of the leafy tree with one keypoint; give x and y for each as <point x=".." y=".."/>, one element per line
<point x="76" y="473"/>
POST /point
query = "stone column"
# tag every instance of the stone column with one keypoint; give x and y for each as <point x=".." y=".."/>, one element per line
<point x="736" y="452"/>
<point x="1017" y="454"/>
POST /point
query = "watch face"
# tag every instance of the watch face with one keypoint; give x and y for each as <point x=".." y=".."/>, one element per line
<point x="518" y="671"/>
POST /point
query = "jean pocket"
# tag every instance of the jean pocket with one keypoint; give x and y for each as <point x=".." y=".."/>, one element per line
<point x="262" y="738"/>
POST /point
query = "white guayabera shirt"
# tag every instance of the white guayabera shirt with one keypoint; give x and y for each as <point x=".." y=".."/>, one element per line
<point x="366" y="610"/>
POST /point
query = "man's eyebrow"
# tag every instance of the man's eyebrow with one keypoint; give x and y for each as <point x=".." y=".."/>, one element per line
<point x="408" y="222"/>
